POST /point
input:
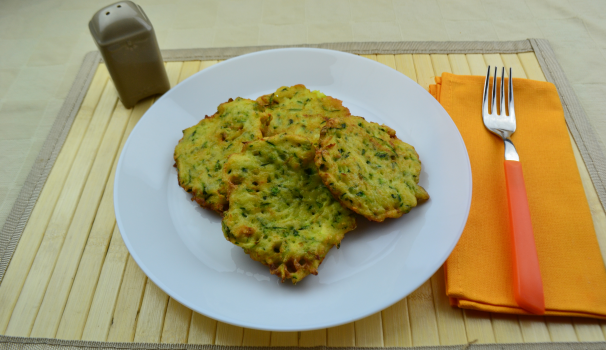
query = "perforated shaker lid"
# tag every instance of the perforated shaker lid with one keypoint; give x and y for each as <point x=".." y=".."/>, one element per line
<point x="118" y="21"/>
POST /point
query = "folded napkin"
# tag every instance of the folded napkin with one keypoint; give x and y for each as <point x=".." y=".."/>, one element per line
<point x="479" y="270"/>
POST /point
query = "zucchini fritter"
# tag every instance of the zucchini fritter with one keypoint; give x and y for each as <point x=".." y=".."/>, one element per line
<point x="280" y="213"/>
<point x="205" y="147"/>
<point x="368" y="168"/>
<point x="296" y="110"/>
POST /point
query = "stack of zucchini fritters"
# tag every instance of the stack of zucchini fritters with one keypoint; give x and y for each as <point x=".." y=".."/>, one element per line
<point x="286" y="172"/>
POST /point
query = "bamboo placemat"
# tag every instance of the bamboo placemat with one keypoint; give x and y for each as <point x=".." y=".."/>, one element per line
<point x="71" y="276"/>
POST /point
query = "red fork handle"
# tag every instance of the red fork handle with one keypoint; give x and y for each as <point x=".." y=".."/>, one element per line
<point x="527" y="283"/>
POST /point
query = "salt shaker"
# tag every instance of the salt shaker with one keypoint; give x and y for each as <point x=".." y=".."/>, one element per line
<point x="127" y="41"/>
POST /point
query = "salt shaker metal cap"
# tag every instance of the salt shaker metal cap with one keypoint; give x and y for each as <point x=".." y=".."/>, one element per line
<point x="127" y="41"/>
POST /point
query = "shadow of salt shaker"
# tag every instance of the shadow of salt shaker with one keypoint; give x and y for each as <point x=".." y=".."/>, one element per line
<point x="127" y="41"/>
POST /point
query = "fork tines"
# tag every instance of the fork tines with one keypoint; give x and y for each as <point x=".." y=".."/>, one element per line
<point x="493" y="111"/>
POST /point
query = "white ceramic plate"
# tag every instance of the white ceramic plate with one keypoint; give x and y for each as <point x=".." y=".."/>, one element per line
<point x="181" y="247"/>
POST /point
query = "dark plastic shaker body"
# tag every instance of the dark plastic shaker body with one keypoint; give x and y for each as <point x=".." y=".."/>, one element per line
<point x="127" y="41"/>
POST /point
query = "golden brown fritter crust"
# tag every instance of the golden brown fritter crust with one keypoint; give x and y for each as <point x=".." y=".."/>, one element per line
<point x="298" y="111"/>
<point x="368" y="169"/>
<point x="205" y="147"/>
<point x="280" y="213"/>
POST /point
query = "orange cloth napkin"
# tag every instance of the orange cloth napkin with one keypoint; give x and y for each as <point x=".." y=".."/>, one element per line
<point x="479" y="270"/>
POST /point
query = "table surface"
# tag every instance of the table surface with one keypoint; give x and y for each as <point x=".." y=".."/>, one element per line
<point x="43" y="42"/>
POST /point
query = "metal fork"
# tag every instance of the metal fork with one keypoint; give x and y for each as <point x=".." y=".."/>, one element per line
<point x="528" y="285"/>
